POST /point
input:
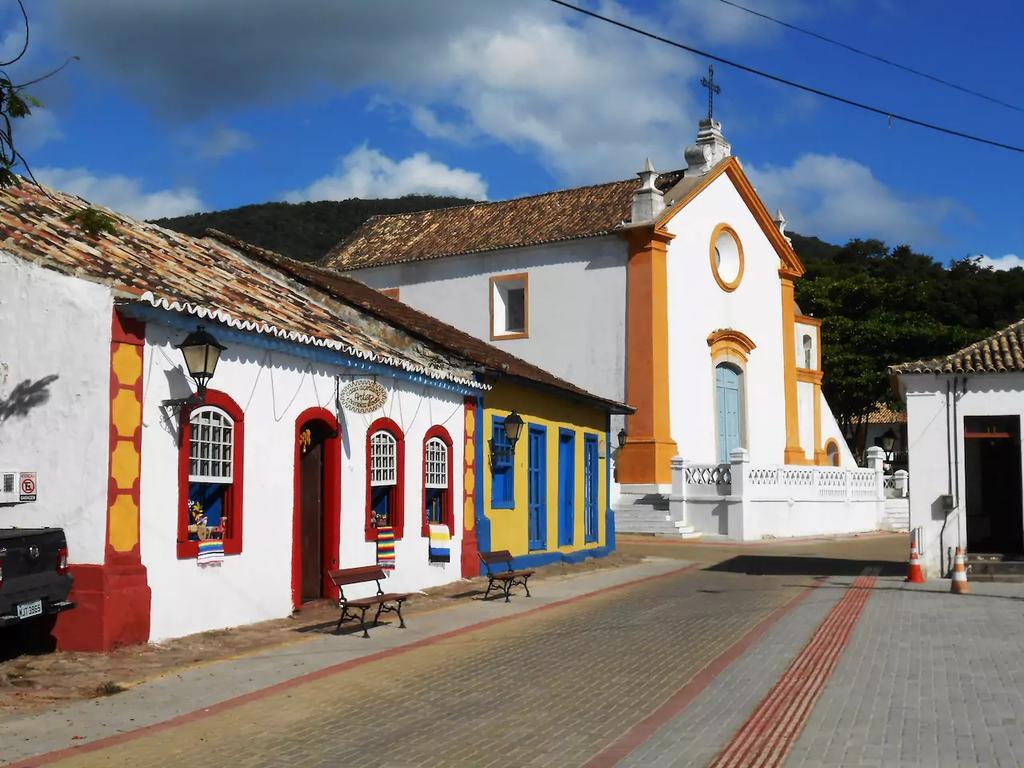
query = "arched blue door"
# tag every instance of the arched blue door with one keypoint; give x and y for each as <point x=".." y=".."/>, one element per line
<point x="727" y="397"/>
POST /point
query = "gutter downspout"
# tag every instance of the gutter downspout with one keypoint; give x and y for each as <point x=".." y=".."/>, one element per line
<point x="949" y="489"/>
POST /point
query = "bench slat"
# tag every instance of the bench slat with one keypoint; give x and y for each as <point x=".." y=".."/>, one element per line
<point x="498" y="556"/>
<point x="357" y="575"/>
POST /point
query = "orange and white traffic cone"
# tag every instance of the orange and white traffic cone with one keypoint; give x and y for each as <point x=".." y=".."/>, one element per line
<point x="959" y="584"/>
<point x="914" y="573"/>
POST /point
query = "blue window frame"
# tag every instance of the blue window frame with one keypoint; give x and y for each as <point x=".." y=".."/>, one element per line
<point x="590" y="488"/>
<point x="566" y="487"/>
<point x="503" y="480"/>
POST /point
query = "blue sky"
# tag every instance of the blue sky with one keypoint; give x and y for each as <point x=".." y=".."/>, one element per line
<point x="192" y="105"/>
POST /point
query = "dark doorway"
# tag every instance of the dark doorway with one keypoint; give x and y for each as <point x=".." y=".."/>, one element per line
<point x="312" y="452"/>
<point x="995" y="519"/>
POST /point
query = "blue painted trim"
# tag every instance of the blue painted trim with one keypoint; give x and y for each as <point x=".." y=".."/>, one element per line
<point x="567" y="528"/>
<point x="609" y="515"/>
<point x="537" y="559"/>
<point x="509" y="502"/>
<point x="483" y="522"/>
<point x="323" y="355"/>
<point x="541" y="543"/>
<point x="592" y="449"/>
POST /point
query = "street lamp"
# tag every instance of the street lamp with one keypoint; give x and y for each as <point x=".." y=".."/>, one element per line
<point x="622" y="438"/>
<point x="202" y="353"/>
<point x="888" y="442"/>
<point x="513" y="428"/>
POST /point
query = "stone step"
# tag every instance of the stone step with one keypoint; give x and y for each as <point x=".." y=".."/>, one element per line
<point x="648" y="521"/>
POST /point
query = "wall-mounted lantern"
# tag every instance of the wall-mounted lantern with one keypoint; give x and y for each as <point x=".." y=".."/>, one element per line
<point x="888" y="442"/>
<point x="202" y="353"/>
<point x="622" y="438"/>
<point x="513" y="425"/>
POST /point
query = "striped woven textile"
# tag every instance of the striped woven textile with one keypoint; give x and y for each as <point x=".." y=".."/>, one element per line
<point x="386" y="547"/>
<point x="440" y="543"/>
<point x="211" y="552"/>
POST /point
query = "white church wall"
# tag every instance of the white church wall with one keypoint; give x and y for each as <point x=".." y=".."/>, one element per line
<point x="830" y="430"/>
<point x="55" y="397"/>
<point x="697" y="306"/>
<point x="273" y="389"/>
<point x="577" y="304"/>
<point x="936" y="468"/>
<point x="805" y="410"/>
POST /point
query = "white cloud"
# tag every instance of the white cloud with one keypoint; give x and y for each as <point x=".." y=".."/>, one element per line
<point x="366" y="172"/>
<point x="223" y="142"/>
<point x="717" y="22"/>
<point x="1001" y="263"/>
<point x="121" y="193"/>
<point x="837" y="198"/>
<point x="39" y="128"/>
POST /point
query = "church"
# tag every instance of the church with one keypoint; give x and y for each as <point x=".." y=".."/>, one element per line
<point x="675" y="294"/>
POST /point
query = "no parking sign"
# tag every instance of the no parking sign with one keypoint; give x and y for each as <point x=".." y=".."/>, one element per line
<point x="27" y="486"/>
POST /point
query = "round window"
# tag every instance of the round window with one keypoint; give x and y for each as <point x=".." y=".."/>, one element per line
<point x="726" y="257"/>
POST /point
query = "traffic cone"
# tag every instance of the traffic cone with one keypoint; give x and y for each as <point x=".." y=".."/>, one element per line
<point x="914" y="573"/>
<point x="959" y="584"/>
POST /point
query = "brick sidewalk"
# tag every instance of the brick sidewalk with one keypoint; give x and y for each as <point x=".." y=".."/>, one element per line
<point x="551" y="687"/>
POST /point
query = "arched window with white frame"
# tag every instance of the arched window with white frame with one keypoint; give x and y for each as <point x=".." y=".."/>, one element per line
<point x="808" y="348"/>
<point x="384" y="478"/>
<point x="437" y="479"/>
<point x="210" y="475"/>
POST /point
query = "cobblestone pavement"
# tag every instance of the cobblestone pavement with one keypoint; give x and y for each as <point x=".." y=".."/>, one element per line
<point x="929" y="679"/>
<point x="550" y="688"/>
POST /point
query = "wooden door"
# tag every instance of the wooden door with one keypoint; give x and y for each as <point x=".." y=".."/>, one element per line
<point x="566" y="487"/>
<point x="311" y="516"/>
<point x="590" y="488"/>
<point x="537" y="487"/>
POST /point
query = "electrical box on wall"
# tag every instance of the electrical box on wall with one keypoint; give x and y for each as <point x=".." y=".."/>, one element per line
<point x="17" y="487"/>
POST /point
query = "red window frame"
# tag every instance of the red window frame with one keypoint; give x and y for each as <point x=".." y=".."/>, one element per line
<point x="233" y="495"/>
<point x="398" y="498"/>
<point x="447" y="514"/>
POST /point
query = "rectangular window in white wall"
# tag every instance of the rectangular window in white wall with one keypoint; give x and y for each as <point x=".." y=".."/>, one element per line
<point x="510" y="297"/>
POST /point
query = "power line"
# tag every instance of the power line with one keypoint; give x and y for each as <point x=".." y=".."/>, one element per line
<point x="875" y="57"/>
<point x="791" y="83"/>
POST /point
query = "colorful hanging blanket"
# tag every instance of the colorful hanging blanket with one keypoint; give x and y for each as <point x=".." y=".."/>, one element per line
<point x="440" y="543"/>
<point x="386" y="547"/>
<point x="211" y="552"/>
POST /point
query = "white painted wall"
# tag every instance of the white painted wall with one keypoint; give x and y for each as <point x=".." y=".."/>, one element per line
<point x="577" y="304"/>
<point x="805" y="412"/>
<point x="697" y="306"/>
<point x="273" y="388"/>
<point x="929" y="425"/>
<point x="54" y="325"/>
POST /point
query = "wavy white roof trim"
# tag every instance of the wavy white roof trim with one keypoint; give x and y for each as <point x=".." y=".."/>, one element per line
<point x="267" y="329"/>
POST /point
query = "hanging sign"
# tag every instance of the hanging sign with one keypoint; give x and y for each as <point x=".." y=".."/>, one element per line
<point x="363" y="396"/>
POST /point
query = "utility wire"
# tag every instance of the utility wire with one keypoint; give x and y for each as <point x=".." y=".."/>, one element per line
<point x="791" y="83"/>
<point x="869" y="55"/>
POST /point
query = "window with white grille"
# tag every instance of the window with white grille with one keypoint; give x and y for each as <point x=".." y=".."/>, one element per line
<point x="435" y="462"/>
<point x="383" y="459"/>
<point x="211" y="446"/>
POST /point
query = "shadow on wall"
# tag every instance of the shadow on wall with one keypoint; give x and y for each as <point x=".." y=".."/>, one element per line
<point x="776" y="565"/>
<point x="25" y="396"/>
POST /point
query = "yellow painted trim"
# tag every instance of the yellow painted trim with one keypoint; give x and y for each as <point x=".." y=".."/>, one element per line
<point x="839" y="453"/>
<point x="729" y="345"/>
<point x="732" y="168"/>
<point x="392" y="293"/>
<point x="726" y="285"/>
<point x="647" y="455"/>
<point x="794" y="453"/>
<point x="525" y="278"/>
<point x="809" y="375"/>
<point x="808" y="320"/>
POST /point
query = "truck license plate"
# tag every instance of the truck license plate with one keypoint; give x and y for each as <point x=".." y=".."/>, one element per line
<point x="28" y="610"/>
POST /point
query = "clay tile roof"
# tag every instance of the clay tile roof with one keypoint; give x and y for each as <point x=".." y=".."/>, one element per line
<point x="883" y="414"/>
<point x="999" y="353"/>
<point x="567" y="214"/>
<point x="144" y="263"/>
<point x="352" y="292"/>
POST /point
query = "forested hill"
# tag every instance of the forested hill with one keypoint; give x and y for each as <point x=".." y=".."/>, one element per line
<point x="879" y="305"/>
<point x="303" y="231"/>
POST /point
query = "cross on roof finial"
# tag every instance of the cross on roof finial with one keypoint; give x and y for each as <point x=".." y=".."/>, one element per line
<point x="713" y="88"/>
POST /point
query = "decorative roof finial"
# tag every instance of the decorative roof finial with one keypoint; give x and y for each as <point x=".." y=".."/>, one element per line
<point x="648" y="200"/>
<point x="713" y="88"/>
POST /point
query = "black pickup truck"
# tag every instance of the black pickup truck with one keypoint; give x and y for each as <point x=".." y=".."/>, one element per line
<point x="34" y="578"/>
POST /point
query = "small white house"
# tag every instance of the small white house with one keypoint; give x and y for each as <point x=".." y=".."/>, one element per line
<point x="314" y="436"/>
<point x="964" y="416"/>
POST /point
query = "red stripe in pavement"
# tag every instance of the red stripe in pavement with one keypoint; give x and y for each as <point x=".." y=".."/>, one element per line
<point x="765" y="739"/>
<point x="214" y="709"/>
<point x="680" y="700"/>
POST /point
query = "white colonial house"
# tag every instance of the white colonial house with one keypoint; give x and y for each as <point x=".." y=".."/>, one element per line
<point x="674" y="294"/>
<point x="964" y="416"/>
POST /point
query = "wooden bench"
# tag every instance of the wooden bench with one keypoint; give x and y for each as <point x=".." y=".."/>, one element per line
<point x="507" y="578"/>
<point x="390" y="602"/>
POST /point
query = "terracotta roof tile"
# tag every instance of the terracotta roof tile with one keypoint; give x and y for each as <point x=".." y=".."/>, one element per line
<point x="999" y="353"/>
<point x="883" y="414"/>
<point x="488" y="358"/>
<point x="181" y="273"/>
<point x="566" y="214"/>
